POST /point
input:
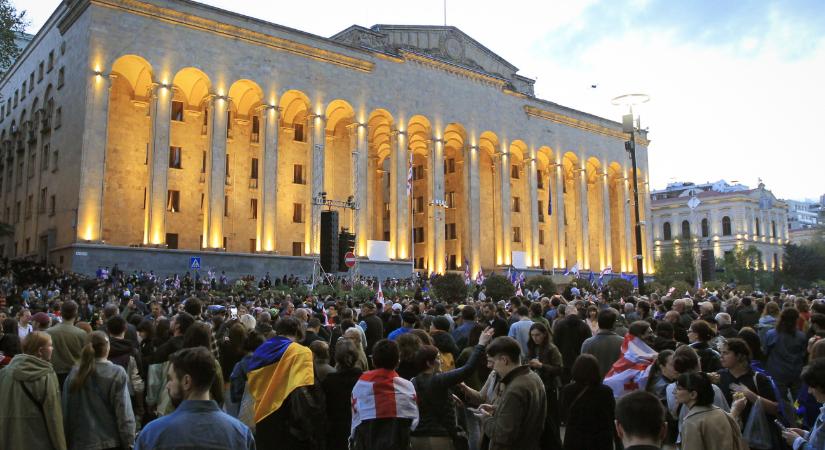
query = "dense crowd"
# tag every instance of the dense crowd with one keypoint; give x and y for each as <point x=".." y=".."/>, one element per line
<point x="126" y="360"/>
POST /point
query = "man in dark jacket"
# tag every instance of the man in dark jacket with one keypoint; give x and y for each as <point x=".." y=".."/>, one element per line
<point x="374" y="327"/>
<point x="746" y="315"/>
<point x="499" y="325"/>
<point x="516" y="420"/>
<point x="569" y="334"/>
<point x="444" y="342"/>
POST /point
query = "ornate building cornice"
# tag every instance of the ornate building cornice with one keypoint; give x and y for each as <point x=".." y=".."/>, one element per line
<point x="581" y="124"/>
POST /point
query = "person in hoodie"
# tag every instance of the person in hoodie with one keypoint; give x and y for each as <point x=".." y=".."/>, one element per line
<point x="443" y="341"/>
<point x="123" y="354"/>
<point x="768" y="320"/>
<point x="30" y="413"/>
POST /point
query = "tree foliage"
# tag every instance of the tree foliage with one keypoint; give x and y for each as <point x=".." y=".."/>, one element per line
<point x="619" y="288"/>
<point x="674" y="266"/>
<point x="804" y="265"/>
<point x="11" y="22"/>
<point x="499" y="287"/>
<point x="450" y="288"/>
<point x="544" y="283"/>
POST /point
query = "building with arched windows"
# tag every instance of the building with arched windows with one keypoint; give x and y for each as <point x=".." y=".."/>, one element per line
<point x="165" y="129"/>
<point x="713" y="219"/>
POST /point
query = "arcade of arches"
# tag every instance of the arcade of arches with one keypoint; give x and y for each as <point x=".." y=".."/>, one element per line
<point x="193" y="165"/>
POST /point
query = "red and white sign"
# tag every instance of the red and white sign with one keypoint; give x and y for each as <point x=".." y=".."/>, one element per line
<point x="349" y="259"/>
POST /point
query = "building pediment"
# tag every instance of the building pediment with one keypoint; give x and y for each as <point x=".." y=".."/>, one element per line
<point x="444" y="43"/>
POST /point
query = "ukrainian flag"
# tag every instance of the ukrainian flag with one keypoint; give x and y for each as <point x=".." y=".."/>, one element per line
<point x="278" y="367"/>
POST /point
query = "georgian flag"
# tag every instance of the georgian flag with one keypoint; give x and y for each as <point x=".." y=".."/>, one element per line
<point x="607" y="271"/>
<point x="382" y="394"/>
<point x="632" y="369"/>
<point x="574" y="270"/>
<point x="379" y="296"/>
<point x="410" y="174"/>
<point x="466" y="271"/>
<point x="480" y="277"/>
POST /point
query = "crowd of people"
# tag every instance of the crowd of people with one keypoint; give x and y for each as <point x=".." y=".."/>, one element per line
<point x="132" y="360"/>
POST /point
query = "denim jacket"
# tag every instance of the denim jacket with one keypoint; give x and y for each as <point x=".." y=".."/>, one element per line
<point x="815" y="439"/>
<point x="196" y="424"/>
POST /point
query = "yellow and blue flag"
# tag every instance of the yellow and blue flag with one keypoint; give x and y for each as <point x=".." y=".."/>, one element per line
<point x="277" y="368"/>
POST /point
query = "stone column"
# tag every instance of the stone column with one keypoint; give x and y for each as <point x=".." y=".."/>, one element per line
<point x="316" y="170"/>
<point x="156" y="191"/>
<point x="607" y="248"/>
<point x="647" y="236"/>
<point x="362" y="181"/>
<point x="269" y="185"/>
<point x="558" y="210"/>
<point x="217" y="171"/>
<point x="401" y="198"/>
<point x="533" y="237"/>
<point x="93" y="158"/>
<point x="375" y="215"/>
<point x="506" y="205"/>
<point x="436" y="153"/>
<point x="584" y="221"/>
<point x="472" y="193"/>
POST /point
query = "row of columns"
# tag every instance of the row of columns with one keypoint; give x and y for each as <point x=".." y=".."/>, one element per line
<point x="90" y="206"/>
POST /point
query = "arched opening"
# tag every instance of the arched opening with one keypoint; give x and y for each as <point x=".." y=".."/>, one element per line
<point x="379" y="195"/>
<point x="685" y="229"/>
<point x="547" y="210"/>
<point x="419" y="139"/>
<point x="456" y="224"/>
<point x="666" y="232"/>
<point x="339" y="173"/>
<point x="574" y="250"/>
<point x="595" y="212"/>
<point x="294" y="183"/>
<point x="705" y="229"/>
<point x="726" y="228"/>
<point x="489" y="200"/>
<point x="618" y="224"/>
<point x="129" y="134"/>
<point x="519" y="200"/>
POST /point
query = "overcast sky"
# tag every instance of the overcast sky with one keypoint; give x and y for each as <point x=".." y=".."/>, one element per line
<point x="737" y="86"/>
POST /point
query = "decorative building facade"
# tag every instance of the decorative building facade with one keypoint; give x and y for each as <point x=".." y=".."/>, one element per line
<point x="165" y="126"/>
<point x="714" y="219"/>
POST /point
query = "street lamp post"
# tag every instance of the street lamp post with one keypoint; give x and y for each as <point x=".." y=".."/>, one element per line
<point x="628" y="127"/>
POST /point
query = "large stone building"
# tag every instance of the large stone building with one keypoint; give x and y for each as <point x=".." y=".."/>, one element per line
<point x="146" y="131"/>
<point x="713" y="219"/>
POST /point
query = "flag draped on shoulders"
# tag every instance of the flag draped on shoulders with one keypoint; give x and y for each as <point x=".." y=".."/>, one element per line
<point x="277" y="368"/>
<point x="632" y="369"/>
<point x="382" y="394"/>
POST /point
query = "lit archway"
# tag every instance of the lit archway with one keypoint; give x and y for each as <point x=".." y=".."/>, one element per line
<point x="294" y="156"/>
<point x="456" y="224"/>
<point x="419" y="141"/>
<point x="379" y="196"/>
<point x="489" y="199"/>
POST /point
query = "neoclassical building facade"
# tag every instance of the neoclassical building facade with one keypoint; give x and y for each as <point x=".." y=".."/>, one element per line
<point x="717" y="218"/>
<point x="172" y="126"/>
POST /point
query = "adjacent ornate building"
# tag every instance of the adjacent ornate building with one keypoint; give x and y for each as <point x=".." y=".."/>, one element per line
<point x="713" y="219"/>
<point x="144" y="131"/>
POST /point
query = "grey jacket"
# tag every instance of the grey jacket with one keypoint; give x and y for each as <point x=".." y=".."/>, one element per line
<point x="606" y="346"/>
<point x="102" y="404"/>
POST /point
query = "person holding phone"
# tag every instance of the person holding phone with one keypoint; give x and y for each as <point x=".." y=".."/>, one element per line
<point x="814" y="376"/>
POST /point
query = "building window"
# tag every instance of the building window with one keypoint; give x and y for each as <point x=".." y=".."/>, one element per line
<point x="20" y="173"/>
<point x="29" y="201"/>
<point x="55" y="160"/>
<point x="516" y="234"/>
<point x="32" y="162"/>
<point x="173" y="201"/>
<point x="449" y="166"/>
<point x="61" y="75"/>
<point x="450" y="199"/>
<point x="516" y="206"/>
<point x="418" y="172"/>
<point x="253" y="170"/>
<point x="226" y="206"/>
<point x="253" y="245"/>
<point x="449" y="231"/>
<point x="177" y="111"/>
<point x="453" y="263"/>
<point x="775" y="261"/>
<point x="145" y="198"/>
<point x="225" y="242"/>
<point x="41" y="204"/>
<point x="253" y="208"/>
<point x="685" y="229"/>
<point x="418" y="235"/>
<point x="666" y="231"/>
<point x="40" y="72"/>
<point x="172" y="240"/>
<point x="17" y="212"/>
<point x="514" y="172"/>
<point x="51" y="61"/>
<point x="175" y="158"/>
<point x="229" y="124"/>
<point x="418" y="205"/>
<point x="419" y="263"/>
<point x="203" y="201"/>
<point x="254" y="137"/>
<point x="297" y="249"/>
<point x="58" y="117"/>
<point x="705" y="230"/>
<point x="541" y="237"/>
<point x="299" y="133"/>
<point x="386" y="210"/>
<point x="539" y="180"/>
<point x="23" y="89"/>
<point x="203" y="162"/>
<point x="758" y="228"/>
<point x="227" y="165"/>
<point x="31" y="81"/>
<point x="205" y="124"/>
<point x="298" y="174"/>
<point x="726" y="230"/>
<point x="773" y="230"/>
<point x="44" y="158"/>
<point x="52" y="205"/>
<point x="541" y="211"/>
<point x="297" y="213"/>
<point x="541" y="263"/>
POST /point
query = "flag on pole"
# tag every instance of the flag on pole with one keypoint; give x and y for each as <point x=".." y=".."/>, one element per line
<point x="521" y="277"/>
<point x="591" y="278"/>
<point x="518" y="290"/>
<point x="574" y="270"/>
<point x="480" y="277"/>
<point x="606" y="271"/>
<point x="466" y="271"/>
<point x="410" y="174"/>
<point x="631" y="371"/>
<point x="379" y="296"/>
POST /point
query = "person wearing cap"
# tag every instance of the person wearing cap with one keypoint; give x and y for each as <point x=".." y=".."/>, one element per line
<point x="41" y="321"/>
<point x="408" y="321"/>
<point x="393" y="322"/>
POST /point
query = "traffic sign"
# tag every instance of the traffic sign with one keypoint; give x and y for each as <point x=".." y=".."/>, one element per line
<point x="195" y="262"/>
<point x="349" y="259"/>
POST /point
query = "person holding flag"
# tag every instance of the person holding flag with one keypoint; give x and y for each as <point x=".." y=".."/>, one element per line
<point x="632" y="369"/>
<point x="466" y="272"/>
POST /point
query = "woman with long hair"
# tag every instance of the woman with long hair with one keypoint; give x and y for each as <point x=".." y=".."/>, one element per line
<point x="337" y="388"/>
<point x="785" y="348"/>
<point x="96" y="401"/>
<point x="544" y="358"/>
<point x="587" y="407"/>
<point x="9" y="341"/>
<point x="30" y="414"/>
<point x="199" y="334"/>
<point x="592" y="319"/>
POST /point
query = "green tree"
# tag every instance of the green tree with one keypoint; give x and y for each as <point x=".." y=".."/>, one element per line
<point x="499" y="287"/>
<point x="803" y="264"/>
<point x="739" y="266"/>
<point x="619" y="288"/>
<point x="544" y="283"/>
<point x="11" y="22"/>
<point x="450" y="288"/>
<point x="675" y="266"/>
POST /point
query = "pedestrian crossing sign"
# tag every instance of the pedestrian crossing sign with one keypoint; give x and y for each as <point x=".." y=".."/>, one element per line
<point x="195" y="262"/>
